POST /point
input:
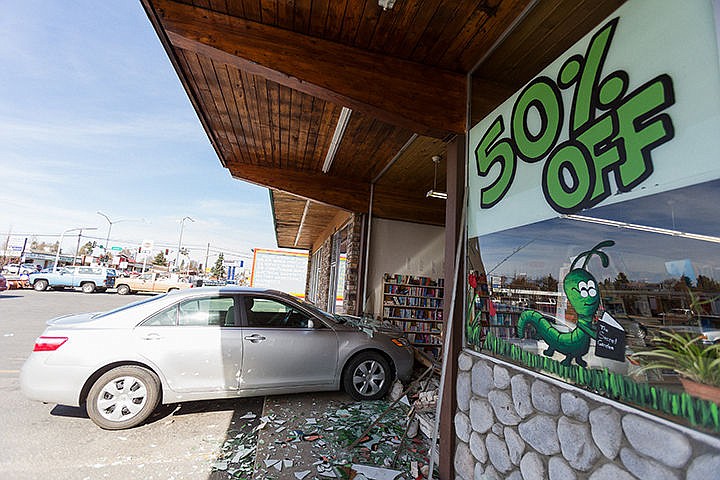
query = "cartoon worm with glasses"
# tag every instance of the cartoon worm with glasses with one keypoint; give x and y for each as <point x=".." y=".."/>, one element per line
<point x="582" y="292"/>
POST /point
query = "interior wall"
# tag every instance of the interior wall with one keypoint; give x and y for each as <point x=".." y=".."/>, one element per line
<point x="404" y="248"/>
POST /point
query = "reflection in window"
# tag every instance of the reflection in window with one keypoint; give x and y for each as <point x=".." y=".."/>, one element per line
<point x="204" y="311"/>
<point x="263" y="312"/>
<point x="662" y="273"/>
<point x="165" y="318"/>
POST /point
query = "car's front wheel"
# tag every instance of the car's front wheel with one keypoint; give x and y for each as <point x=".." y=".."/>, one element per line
<point x="367" y="377"/>
<point x="123" y="397"/>
<point x="88" y="287"/>
<point x="40" y="285"/>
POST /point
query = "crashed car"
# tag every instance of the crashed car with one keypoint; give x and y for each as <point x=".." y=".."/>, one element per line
<point x="207" y="343"/>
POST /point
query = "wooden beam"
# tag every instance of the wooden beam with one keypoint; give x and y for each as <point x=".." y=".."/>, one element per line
<point x="328" y="189"/>
<point x="390" y="203"/>
<point x="424" y="99"/>
<point x="454" y="241"/>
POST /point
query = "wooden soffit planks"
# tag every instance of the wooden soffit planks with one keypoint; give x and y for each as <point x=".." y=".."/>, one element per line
<point x="298" y="221"/>
<point x="425" y="99"/>
<point x="332" y="190"/>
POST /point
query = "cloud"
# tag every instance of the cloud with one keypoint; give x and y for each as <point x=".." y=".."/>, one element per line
<point x="86" y="132"/>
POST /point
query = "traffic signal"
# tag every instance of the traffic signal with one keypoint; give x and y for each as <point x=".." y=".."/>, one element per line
<point x="167" y="251"/>
<point x="139" y="249"/>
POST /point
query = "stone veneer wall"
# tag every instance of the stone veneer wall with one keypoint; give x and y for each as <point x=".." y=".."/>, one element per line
<point x="352" y="264"/>
<point x="516" y="424"/>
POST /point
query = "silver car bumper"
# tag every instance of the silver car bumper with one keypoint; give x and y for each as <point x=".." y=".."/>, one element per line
<point x="52" y="384"/>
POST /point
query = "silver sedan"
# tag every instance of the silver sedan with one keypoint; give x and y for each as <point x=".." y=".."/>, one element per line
<point x="207" y="343"/>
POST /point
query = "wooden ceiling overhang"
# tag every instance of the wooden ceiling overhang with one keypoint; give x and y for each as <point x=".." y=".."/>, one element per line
<point x="269" y="78"/>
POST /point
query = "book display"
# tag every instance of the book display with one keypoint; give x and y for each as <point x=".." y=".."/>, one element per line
<point x="415" y="305"/>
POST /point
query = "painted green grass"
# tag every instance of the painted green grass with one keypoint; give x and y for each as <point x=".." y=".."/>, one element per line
<point x="697" y="412"/>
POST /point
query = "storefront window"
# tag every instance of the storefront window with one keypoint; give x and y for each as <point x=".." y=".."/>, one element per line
<point x="594" y="290"/>
<point x="592" y="226"/>
<point x="315" y="263"/>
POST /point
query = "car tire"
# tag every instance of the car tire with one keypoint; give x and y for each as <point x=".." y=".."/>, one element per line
<point x="123" y="397"/>
<point x="88" y="287"/>
<point x="367" y="376"/>
<point x="123" y="290"/>
<point x="40" y="285"/>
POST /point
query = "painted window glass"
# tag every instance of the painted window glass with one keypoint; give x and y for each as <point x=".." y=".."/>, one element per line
<point x="593" y="291"/>
<point x="593" y="235"/>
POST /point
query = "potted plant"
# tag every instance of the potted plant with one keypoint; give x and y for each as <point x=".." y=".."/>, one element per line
<point x="698" y="365"/>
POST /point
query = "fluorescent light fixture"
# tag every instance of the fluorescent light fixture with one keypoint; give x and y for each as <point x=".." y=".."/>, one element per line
<point x="643" y="228"/>
<point x="433" y="192"/>
<point x="337" y="138"/>
<point x="302" y="222"/>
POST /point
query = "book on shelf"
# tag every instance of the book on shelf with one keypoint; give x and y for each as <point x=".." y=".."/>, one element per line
<point x="414" y="304"/>
<point x="413" y="280"/>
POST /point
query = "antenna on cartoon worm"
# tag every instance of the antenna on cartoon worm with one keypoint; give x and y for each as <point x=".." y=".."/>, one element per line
<point x="595" y="250"/>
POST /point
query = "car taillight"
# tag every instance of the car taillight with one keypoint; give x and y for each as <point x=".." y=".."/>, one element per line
<point x="48" y="344"/>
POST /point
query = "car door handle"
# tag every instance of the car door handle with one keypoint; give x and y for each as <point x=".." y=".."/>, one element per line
<point x="255" y="338"/>
<point x="152" y="336"/>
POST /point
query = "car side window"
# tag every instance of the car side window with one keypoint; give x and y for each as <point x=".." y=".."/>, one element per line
<point x="205" y="311"/>
<point x="165" y="318"/>
<point x="265" y="312"/>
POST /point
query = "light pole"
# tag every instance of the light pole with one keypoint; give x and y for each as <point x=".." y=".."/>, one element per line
<point x="111" y="222"/>
<point x="62" y="235"/>
<point x="182" y="225"/>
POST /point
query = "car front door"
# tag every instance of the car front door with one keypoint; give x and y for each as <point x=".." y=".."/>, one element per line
<point x="66" y="277"/>
<point x="195" y="344"/>
<point x="285" y="347"/>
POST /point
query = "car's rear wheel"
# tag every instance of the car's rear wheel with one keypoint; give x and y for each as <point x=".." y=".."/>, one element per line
<point x="123" y="290"/>
<point x="367" y="376"/>
<point x="88" y="287"/>
<point x="123" y="397"/>
<point x="40" y="285"/>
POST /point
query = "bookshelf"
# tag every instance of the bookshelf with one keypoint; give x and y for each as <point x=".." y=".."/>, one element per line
<point x="415" y="305"/>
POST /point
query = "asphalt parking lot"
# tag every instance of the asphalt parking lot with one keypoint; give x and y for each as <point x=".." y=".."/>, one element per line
<point x="59" y="442"/>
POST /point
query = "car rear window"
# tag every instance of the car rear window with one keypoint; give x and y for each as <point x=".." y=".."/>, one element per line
<point x="130" y="305"/>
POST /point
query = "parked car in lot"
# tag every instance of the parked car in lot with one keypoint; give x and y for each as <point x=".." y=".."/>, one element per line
<point x="207" y="343"/>
<point x="88" y="278"/>
<point x="150" y="282"/>
<point x="15" y="269"/>
<point x="707" y="327"/>
<point x="3" y="284"/>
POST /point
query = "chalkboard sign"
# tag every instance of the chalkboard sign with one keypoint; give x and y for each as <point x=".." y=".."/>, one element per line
<point x="610" y="342"/>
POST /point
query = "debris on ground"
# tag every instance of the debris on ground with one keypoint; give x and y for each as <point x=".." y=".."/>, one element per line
<point x="309" y="438"/>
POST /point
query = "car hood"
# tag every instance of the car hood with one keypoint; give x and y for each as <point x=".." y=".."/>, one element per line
<point x="369" y="325"/>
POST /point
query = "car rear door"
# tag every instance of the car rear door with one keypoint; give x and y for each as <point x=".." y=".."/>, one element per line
<point x="195" y="344"/>
<point x="284" y="346"/>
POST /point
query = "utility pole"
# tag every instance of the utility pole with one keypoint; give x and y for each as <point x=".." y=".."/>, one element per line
<point x="207" y="255"/>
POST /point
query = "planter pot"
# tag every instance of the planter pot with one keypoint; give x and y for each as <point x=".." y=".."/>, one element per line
<point x="701" y="390"/>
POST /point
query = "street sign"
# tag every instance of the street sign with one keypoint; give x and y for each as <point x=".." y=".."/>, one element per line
<point x="147" y="246"/>
<point x="116" y="249"/>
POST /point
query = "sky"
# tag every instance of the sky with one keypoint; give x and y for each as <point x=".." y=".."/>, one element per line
<point x="94" y="118"/>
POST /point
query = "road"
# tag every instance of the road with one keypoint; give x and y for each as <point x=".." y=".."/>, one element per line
<point x="60" y="442"/>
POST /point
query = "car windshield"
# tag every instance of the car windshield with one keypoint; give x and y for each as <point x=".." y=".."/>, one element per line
<point x="321" y="313"/>
<point x="710" y="323"/>
<point x="130" y="305"/>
